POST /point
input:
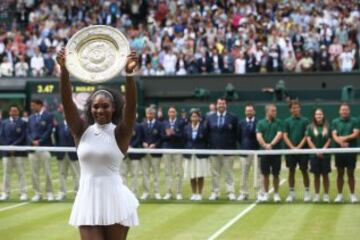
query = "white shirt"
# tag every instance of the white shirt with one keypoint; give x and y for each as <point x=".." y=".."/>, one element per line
<point x="6" y="69"/>
<point x="21" y="69"/>
<point x="346" y="60"/>
<point x="37" y="62"/>
<point x="240" y="66"/>
<point x="170" y="63"/>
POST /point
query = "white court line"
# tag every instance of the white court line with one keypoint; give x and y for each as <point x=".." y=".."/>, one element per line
<point x="25" y="203"/>
<point x="240" y="215"/>
<point x="13" y="206"/>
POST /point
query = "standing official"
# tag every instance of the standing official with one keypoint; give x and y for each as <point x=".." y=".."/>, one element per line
<point x="294" y="138"/>
<point x="132" y="162"/>
<point x="222" y="130"/>
<point x="64" y="138"/>
<point x="196" y="165"/>
<point x="173" y="138"/>
<point x="151" y="138"/>
<point x="39" y="134"/>
<point x="247" y="140"/>
<point x="318" y="136"/>
<point x="345" y="132"/>
<point x="269" y="134"/>
<point x="13" y="132"/>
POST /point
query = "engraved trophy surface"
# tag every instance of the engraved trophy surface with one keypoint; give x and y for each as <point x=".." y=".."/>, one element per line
<point x="97" y="53"/>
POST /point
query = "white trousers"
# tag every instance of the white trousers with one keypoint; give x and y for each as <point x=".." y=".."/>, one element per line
<point x="38" y="159"/>
<point x="174" y="161"/>
<point x="8" y="164"/>
<point x="246" y="163"/>
<point x="150" y="163"/>
<point x="217" y="164"/>
<point x="63" y="166"/>
<point x="132" y="167"/>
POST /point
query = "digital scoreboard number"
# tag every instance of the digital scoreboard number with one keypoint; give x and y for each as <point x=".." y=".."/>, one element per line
<point x="51" y="88"/>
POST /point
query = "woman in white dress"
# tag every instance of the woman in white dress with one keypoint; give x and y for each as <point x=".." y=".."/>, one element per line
<point x="104" y="207"/>
<point x="196" y="165"/>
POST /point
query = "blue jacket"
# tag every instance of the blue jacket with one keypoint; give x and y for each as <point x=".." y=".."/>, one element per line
<point x="64" y="138"/>
<point x="40" y="129"/>
<point x="176" y="140"/>
<point x="152" y="135"/>
<point x="200" y="141"/>
<point x="135" y="142"/>
<point x="222" y="137"/>
<point x="13" y="133"/>
<point x="247" y="135"/>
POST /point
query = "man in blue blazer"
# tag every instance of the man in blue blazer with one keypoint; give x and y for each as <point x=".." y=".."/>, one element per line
<point x="40" y="127"/>
<point x="248" y="141"/>
<point x="222" y="130"/>
<point x="173" y="137"/>
<point x="151" y="138"/>
<point x="13" y="133"/>
<point x="64" y="138"/>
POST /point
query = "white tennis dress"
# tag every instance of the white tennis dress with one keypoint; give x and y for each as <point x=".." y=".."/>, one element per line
<point x="102" y="198"/>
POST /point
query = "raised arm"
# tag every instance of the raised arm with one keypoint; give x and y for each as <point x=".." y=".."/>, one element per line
<point x="125" y="127"/>
<point x="72" y="116"/>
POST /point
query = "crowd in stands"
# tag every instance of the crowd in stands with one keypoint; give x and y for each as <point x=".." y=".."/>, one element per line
<point x="189" y="36"/>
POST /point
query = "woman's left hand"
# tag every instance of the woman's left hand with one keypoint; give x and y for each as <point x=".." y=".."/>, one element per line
<point x="131" y="62"/>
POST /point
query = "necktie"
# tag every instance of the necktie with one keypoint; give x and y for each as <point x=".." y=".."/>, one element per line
<point x="221" y="121"/>
<point x="37" y="116"/>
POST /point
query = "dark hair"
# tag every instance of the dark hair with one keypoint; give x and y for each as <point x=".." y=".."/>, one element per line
<point x="172" y="106"/>
<point x="313" y="124"/>
<point x="293" y="102"/>
<point x="344" y="104"/>
<point x="196" y="111"/>
<point x="249" y="104"/>
<point x="116" y="99"/>
<point x="37" y="101"/>
<point x="15" y="106"/>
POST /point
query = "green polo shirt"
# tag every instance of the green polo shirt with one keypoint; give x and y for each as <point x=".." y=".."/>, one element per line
<point x="345" y="127"/>
<point x="317" y="137"/>
<point x="269" y="129"/>
<point x="295" y="127"/>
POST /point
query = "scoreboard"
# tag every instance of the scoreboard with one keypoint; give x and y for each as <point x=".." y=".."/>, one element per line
<point x="49" y="92"/>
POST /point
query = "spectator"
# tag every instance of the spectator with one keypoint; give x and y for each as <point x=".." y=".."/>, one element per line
<point x="305" y="64"/>
<point x="37" y="64"/>
<point x="21" y="67"/>
<point x="346" y="60"/>
<point x="335" y="50"/>
<point x="324" y="59"/>
<point x="170" y="62"/>
<point x="240" y="64"/>
<point x="6" y="68"/>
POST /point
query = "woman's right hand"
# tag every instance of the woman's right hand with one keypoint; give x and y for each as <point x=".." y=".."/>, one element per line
<point x="60" y="58"/>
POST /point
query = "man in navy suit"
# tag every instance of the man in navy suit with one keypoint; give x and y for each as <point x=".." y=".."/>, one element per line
<point x="64" y="138"/>
<point x="222" y="130"/>
<point x="151" y="138"/>
<point x="173" y="138"/>
<point x="13" y="133"/>
<point x="132" y="162"/>
<point x="39" y="132"/>
<point x="248" y="141"/>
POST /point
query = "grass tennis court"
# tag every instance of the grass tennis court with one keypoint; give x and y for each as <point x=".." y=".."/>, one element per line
<point x="193" y="220"/>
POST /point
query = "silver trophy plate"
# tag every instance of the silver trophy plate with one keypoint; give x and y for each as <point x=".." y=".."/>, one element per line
<point x="97" y="53"/>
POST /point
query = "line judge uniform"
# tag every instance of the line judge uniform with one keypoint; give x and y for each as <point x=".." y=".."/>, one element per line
<point x="40" y="128"/>
<point x="64" y="138"/>
<point x="13" y="132"/>
<point x="222" y="130"/>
